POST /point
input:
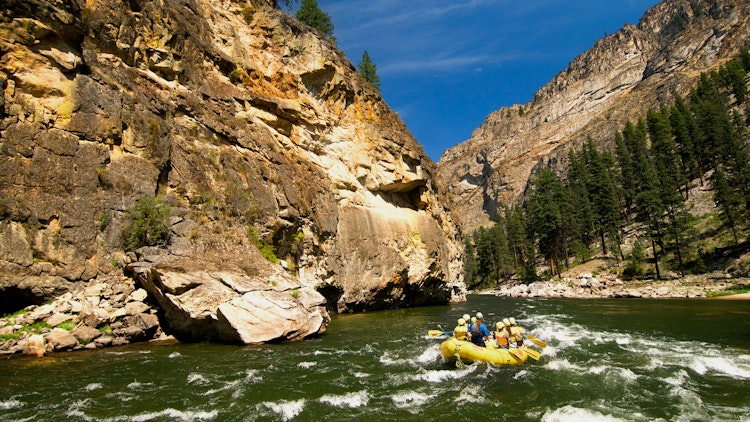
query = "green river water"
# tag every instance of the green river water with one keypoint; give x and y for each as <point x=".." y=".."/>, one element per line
<point x="644" y="360"/>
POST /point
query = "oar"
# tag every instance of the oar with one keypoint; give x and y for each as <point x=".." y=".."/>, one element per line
<point x="516" y="353"/>
<point x="444" y="332"/>
<point x="532" y="353"/>
<point x="535" y="340"/>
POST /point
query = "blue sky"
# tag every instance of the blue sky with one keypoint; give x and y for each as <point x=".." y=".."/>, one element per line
<point x="444" y="65"/>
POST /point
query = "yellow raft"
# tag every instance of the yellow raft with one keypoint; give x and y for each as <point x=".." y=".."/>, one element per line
<point x="452" y="349"/>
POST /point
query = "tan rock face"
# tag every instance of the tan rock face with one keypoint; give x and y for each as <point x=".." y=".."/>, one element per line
<point x="255" y="132"/>
<point x="618" y="79"/>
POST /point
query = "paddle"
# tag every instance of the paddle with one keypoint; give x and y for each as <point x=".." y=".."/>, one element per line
<point x="435" y="333"/>
<point x="516" y="353"/>
<point x="532" y="353"/>
<point x="444" y="332"/>
<point x="535" y="340"/>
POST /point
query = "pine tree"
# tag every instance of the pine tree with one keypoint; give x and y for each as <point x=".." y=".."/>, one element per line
<point x="626" y="180"/>
<point x="369" y="70"/>
<point x="583" y="214"/>
<point x="310" y="14"/>
<point x="686" y="135"/>
<point x="549" y="212"/>
<point x="647" y="200"/>
<point x="728" y="201"/>
<point x="602" y="195"/>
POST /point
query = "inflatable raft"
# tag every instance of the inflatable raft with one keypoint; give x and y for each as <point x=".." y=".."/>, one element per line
<point x="453" y="349"/>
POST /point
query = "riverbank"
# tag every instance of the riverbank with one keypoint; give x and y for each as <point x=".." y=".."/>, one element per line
<point x="589" y="286"/>
<point x="108" y="311"/>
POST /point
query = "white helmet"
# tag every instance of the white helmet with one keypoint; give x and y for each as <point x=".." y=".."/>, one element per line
<point x="506" y="321"/>
<point x="512" y="321"/>
<point x="461" y="321"/>
<point x="480" y="316"/>
<point x="466" y="317"/>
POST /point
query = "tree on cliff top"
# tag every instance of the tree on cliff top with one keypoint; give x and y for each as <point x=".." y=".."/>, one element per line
<point x="369" y="70"/>
<point x="310" y="14"/>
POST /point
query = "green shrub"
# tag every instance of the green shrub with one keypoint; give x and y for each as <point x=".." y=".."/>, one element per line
<point x="146" y="224"/>
<point x="103" y="221"/>
<point x="67" y="325"/>
<point x="268" y="251"/>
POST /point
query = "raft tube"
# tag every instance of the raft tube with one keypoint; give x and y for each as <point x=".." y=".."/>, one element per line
<point x="469" y="352"/>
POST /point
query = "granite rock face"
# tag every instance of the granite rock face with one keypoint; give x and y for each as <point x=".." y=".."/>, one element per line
<point x="619" y="78"/>
<point x="254" y="129"/>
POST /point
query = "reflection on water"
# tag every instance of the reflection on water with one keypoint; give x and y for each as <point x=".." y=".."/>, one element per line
<point x="606" y="360"/>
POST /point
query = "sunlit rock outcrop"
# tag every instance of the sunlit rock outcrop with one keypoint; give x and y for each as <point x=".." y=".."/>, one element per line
<point x="269" y="148"/>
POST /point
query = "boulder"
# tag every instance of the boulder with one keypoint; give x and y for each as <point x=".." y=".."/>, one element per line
<point x="662" y="291"/>
<point x="228" y="306"/>
<point x="58" y="318"/>
<point x="135" y="308"/>
<point x="35" y="346"/>
<point x="61" y="339"/>
<point x="86" y="334"/>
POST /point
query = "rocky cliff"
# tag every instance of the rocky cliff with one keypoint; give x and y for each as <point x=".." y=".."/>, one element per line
<point x="619" y="78"/>
<point x="255" y="131"/>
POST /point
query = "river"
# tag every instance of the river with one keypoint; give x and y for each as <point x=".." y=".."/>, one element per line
<point x="620" y="359"/>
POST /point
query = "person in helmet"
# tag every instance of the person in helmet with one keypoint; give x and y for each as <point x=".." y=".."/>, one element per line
<point x="461" y="332"/>
<point x="516" y="332"/>
<point x="501" y="335"/>
<point x="478" y="330"/>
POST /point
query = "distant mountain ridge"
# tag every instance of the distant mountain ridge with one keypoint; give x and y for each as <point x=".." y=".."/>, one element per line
<point x="618" y="79"/>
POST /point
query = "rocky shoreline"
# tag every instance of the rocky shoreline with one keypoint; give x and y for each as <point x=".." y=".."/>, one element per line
<point x="103" y="312"/>
<point x="589" y="286"/>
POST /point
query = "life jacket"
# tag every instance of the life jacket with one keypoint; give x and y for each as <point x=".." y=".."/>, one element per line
<point x="516" y="335"/>
<point x="461" y="332"/>
<point x="502" y="338"/>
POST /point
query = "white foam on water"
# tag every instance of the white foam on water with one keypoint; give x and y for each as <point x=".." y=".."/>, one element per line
<point x="352" y="400"/>
<point x="576" y="414"/>
<point x="199" y="379"/>
<point x="287" y="409"/>
<point x="597" y="370"/>
<point x="361" y="375"/>
<point x="431" y="354"/>
<point x="307" y="365"/>
<point x="520" y="374"/>
<point x="410" y="399"/>
<point x="440" y="375"/>
<point x="75" y="409"/>
<point x="252" y="374"/>
<point x="231" y="385"/>
<point x="721" y="365"/>
<point x="93" y="386"/>
<point x="11" y="404"/>
<point x="471" y="394"/>
<point x="627" y="375"/>
<point x="623" y="340"/>
<point x="550" y="351"/>
<point x="689" y="404"/>
<point x="388" y="359"/>
<point x="173" y="414"/>
<point x="174" y="355"/>
<point x="135" y="384"/>
<point x="562" y="365"/>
